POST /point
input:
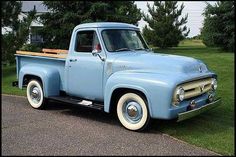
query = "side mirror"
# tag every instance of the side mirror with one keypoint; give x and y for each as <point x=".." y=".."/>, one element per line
<point x="95" y="52"/>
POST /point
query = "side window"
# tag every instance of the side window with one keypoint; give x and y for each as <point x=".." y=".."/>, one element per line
<point x="86" y="41"/>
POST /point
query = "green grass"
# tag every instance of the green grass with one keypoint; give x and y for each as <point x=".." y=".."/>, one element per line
<point x="8" y="76"/>
<point x="213" y="130"/>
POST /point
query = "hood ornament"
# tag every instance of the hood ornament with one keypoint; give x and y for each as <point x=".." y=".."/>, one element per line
<point x="200" y="69"/>
<point x="202" y="87"/>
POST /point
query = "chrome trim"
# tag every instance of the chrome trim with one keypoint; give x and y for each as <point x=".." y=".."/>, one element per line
<point x="213" y="84"/>
<point x="178" y="94"/>
<point x="132" y="111"/>
<point x="193" y="88"/>
<point x="197" y="111"/>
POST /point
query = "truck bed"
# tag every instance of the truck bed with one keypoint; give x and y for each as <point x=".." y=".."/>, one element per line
<point x="47" y="58"/>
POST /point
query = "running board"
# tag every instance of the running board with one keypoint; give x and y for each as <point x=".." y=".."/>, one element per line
<point x="77" y="101"/>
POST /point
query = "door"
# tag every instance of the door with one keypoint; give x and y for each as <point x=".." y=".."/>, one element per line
<point x="85" y="70"/>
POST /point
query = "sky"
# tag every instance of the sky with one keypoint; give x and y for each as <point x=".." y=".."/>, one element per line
<point x="194" y="9"/>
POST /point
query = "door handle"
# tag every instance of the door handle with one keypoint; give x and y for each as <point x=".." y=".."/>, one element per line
<point x="73" y="60"/>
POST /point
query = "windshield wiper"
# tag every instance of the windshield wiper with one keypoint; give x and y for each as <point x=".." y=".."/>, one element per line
<point x="143" y="49"/>
<point x="139" y="49"/>
<point x="124" y="49"/>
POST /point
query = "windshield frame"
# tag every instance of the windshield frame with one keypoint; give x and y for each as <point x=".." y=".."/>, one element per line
<point x="128" y="29"/>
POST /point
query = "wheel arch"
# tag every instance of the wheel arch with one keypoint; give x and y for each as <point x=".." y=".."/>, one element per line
<point x="49" y="78"/>
<point x="28" y="77"/>
<point x="118" y="92"/>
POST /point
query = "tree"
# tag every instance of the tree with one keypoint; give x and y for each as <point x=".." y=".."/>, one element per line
<point x="147" y="34"/>
<point x="219" y="24"/>
<point x="15" y="38"/>
<point x="9" y="11"/>
<point x="166" y="30"/>
<point x="64" y="16"/>
<point x="196" y="37"/>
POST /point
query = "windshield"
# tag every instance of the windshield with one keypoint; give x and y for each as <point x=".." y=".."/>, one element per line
<point x="123" y="40"/>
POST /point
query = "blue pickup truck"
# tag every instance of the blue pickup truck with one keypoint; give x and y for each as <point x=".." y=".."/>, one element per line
<point x="110" y="67"/>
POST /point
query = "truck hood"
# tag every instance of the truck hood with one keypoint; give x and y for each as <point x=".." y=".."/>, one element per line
<point x="161" y="63"/>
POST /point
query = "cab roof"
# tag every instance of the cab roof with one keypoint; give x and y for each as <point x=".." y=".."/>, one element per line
<point x="106" y="25"/>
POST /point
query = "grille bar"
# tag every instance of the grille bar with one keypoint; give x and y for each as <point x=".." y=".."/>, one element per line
<point x="194" y="88"/>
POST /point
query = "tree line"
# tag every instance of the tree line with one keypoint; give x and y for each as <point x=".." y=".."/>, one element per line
<point x="219" y="25"/>
<point x="165" y="27"/>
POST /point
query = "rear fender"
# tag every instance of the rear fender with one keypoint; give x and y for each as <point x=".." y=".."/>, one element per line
<point x="49" y="76"/>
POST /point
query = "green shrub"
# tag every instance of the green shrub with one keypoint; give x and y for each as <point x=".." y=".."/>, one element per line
<point x="8" y="48"/>
<point x="31" y="47"/>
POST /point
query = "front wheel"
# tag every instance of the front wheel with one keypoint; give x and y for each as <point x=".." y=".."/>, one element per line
<point x="35" y="94"/>
<point x="132" y="112"/>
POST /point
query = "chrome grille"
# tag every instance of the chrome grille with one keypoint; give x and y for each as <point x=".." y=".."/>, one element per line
<point x="194" y="88"/>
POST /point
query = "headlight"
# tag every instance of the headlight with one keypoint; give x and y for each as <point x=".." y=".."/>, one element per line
<point x="180" y="94"/>
<point x="214" y="84"/>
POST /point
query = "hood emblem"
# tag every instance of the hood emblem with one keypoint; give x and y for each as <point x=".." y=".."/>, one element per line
<point x="200" y="69"/>
<point x="202" y="87"/>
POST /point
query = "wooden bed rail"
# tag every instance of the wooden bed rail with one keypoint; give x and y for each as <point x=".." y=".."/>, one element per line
<point x="54" y="53"/>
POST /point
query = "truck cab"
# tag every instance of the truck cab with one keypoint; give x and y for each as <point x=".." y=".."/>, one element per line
<point x="110" y="67"/>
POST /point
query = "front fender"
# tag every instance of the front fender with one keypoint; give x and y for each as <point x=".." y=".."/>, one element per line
<point x="50" y="78"/>
<point x="157" y="90"/>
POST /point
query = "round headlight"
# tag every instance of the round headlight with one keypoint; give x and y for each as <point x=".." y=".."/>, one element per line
<point x="214" y="84"/>
<point x="180" y="94"/>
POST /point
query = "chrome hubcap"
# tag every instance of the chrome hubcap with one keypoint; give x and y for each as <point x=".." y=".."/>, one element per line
<point x="35" y="94"/>
<point x="132" y="111"/>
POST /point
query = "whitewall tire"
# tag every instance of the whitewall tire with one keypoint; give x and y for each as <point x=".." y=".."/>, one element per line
<point x="35" y="94"/>
<point x="132" y="112"/>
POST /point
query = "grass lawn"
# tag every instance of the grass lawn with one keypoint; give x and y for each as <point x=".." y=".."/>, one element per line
<point x="8" y="76"/>
<point x="213" y="130"/>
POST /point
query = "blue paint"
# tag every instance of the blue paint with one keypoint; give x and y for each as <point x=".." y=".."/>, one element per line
<point x="155" y="75"/>
<point x="51" y="71"/>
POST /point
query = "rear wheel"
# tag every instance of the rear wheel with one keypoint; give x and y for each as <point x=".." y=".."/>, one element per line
<point x="35" y="94"/>
<point x="132" y="112"/>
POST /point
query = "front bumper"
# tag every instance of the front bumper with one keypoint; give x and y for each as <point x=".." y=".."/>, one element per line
<point x="194" y="112"/>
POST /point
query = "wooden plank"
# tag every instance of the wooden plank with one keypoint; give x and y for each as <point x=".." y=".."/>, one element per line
<point x="55" y="51"/>
<point x="41" y="54"/>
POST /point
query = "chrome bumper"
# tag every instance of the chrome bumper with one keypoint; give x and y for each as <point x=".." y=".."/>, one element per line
<point x="194" y="112"/>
